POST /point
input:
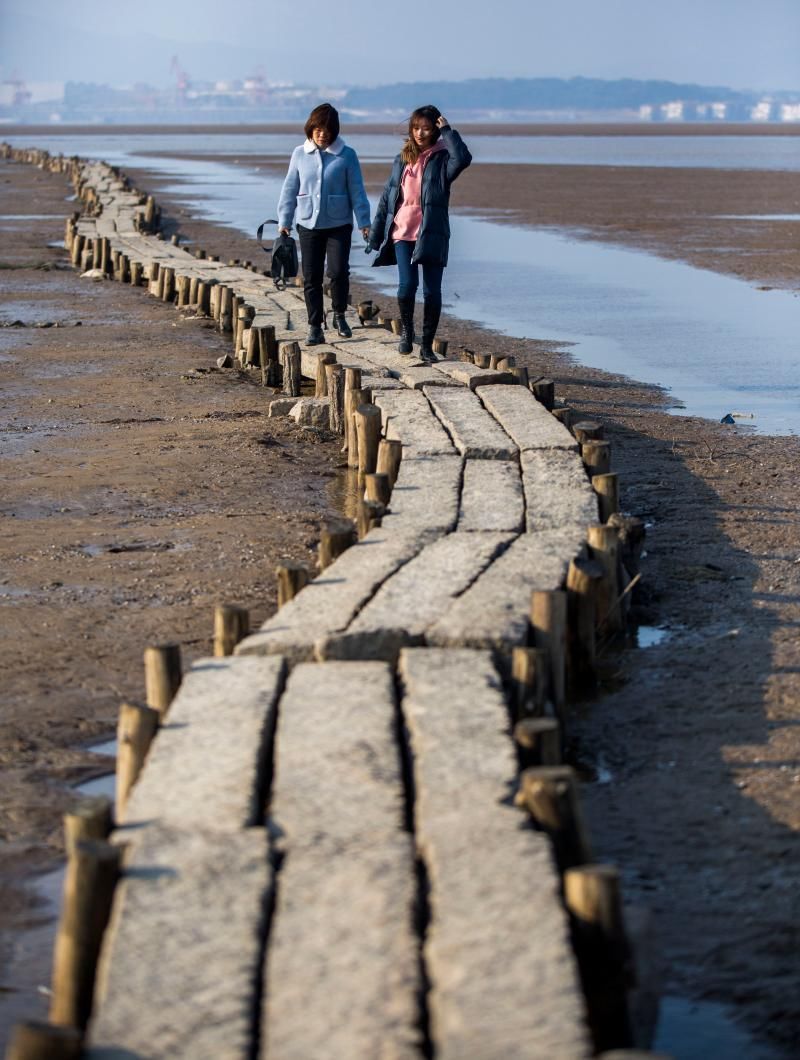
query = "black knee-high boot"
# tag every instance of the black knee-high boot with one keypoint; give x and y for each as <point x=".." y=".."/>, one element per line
<point x="406" y="307"/>
<point x="430" y="322"/>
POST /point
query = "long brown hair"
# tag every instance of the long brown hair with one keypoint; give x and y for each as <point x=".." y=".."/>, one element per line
<point x="410" y="152"/>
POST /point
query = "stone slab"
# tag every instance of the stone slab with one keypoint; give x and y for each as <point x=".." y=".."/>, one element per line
<point x="525" y="419"/>
<point x="497" y="950"/>
<point x="342" y="970"/>
<point x="329" y="603"/>
<point x="207" y="766"/>
<point x="414" y="597"/>
<point x="312" y="412"/>
<point x="426" y="495"/>
<point x="558" y="492"/>
<point x="281" y="406"/>
<point x="408" y="416"/>
<point x="493" y="612"/>
<point x="345" y="357"/>
<point x="476" y="434"/>
<point x="473" y="377"/>
<point x="182" y="953"/>
<point x="491" y="496"/>
<point x="423" y="376"/>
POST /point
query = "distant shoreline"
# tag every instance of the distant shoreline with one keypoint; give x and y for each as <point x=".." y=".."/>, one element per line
<point x="476" y="128"/>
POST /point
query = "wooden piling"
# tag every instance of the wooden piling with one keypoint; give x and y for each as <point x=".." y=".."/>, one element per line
<point x="368" y="428"/>
<point x="92" y="818"/>
<point x="290" y="360"/>
<point x="136" y="729"/>
<point x="292" y="577"/>
<point x="440" y="348"/>
<point x="390" y="454"/>
<point x="538" y="742"/>
<point x="564" y="415"/>
<point x="231" y="624"/>
<point x="162" y="675"/>
<point x="335" y="378"/>
<point x="603" y="544"/>
<point x="352" y="400"/>
<point x="396" y="325"/>
<point x="544" y="390"/>
<point x="607" y="489"/>
<point x="550" y="794"/>
<point x="35" y="1040"/>
<point x="596" y="457"/>
<point x="370" y="513"/>
<point x="336" y="537"/>
<point x="549" y="631"/>
<point x="167" y="284"/>
<point x="268" y="355"/>
<point x="92" y="873"/>
<point x="481" y="360"/>
<point x="323" y="358"/>
<point x="529" y="682"/>
<point x="593" y="899"/>
<point x="377" y="487"/>
<point x="520" y="373"/>
<point x="584" y="593"/>
<point x="588" y="431"/>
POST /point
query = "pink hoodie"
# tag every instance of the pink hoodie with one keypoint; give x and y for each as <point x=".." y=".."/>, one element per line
<point x="408" y="218"/>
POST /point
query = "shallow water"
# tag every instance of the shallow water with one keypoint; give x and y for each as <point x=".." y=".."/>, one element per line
<point x="705" y="1030"/>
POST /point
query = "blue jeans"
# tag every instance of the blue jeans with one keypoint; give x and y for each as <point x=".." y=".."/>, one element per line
<point x="409" y="276"/>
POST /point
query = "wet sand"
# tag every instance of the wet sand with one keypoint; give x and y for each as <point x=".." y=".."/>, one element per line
<point x="691" y="752"/>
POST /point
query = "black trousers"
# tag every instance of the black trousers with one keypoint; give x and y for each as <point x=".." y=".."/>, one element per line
<point x="315" y="245"/>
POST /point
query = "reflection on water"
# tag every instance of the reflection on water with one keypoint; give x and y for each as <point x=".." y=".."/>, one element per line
<point x="705" y="1030"/>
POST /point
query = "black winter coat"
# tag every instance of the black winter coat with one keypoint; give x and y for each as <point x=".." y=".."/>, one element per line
<point x="433" y="240"/>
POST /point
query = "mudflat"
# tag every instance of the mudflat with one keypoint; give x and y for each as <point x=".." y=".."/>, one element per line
<point x="142" y="486"/>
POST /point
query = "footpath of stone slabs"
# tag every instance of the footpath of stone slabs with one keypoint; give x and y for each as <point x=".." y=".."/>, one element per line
<point x="323" y="855"/>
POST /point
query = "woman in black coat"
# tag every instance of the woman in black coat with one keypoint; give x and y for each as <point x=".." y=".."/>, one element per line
<point x="412" y="226"/>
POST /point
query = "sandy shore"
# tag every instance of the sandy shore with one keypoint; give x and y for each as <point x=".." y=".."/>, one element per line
<point x="690" y="753"/>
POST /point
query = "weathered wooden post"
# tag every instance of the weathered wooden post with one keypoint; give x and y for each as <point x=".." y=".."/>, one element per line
<point x="604" y="548"/>
<point x="538" y="742"/>
<point x="292" y="577"/>
<point x="607" y="489"/>
<point x="588" y="431"/>
<point x="290" y="359"/>
<point x="564" y="415"/>
<point x="377" y="487"/>
<point x="136" y="730"/>
<point x="390" y="454"/>
<point x="35" y="1040"/>
<point x="544" y="390"/>
<point x="529" y="681"/>
<point x="584" y="585"/>
<point x="368" y="428"/>
<point x="268" y="355"/>
<point x="550" y="794"/>
<point x="439" y="347"/>
<point x="162" y="675"/>
<point x="336" y="537"/>
<point x="92" y="873"/>
<point x="352" y="400"/>
<point x="92" y="818"/>
<point x="596" y="457"/>
<point x="370" y="513"/>
<point x="549" y="630"/>
<point x="324" y="358"/>
<point x="335" y="378"/>
<point x="231" y="624"/>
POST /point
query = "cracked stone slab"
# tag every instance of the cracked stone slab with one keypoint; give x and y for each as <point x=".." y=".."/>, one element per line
<point x="493" y="612"/>
<point x="414" y="597"/>
<point x="423" y="376"/>
<point x="329" y="603"/>
<point x="491" y="496"/>
<point x="408" y="416"/>
<point x="342" y="968"/>
<point x="473" y="377"/>
<point x="193" y="778"/>
<point x="426" y="495"/>
<point x="182" y="952"/>
<point x="525" y="419"/>
<point x="475" y="433"/>
<point x="558" y="492"/>
<point x="503" y="977"/>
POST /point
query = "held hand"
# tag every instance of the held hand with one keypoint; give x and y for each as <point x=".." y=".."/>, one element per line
<point x="283" y="231"/>
<point x="441" y="121"/>
<point x="365" y="234"/>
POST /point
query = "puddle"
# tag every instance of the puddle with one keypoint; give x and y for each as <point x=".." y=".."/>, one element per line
<point x="650" y="636"/>
<point x="31" y="217"/>
<point x="705" y="1030"/>
<point x="344" y="492"/>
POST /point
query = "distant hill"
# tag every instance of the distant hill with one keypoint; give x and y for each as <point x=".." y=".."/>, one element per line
<point x="535" y="94"/>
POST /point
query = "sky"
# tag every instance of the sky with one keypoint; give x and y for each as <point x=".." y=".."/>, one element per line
<point x="743" y="44"/>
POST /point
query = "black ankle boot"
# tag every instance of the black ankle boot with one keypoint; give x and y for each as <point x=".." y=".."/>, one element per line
<point x="430" y="322"/>
<point x="342" y="327"/>
<point x="316" y="336"/>
<point x="406" y="307"/>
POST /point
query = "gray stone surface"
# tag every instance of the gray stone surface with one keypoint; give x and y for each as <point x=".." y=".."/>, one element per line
<point x="472" y="376"/>
<point x="414" y="597"/>
<point x="491" y="496"/>
<point x="282" y="406"/>
<point x="342" y="970"/>
<point x="475" y="433"/>
<point x="312" y="412"/>
<point x="558" y="492"/>
<point x="329" y="603"/>
<point x="206" y="766"/>
<point x="497" y="950"/>
<point x="422" y="376"/>
<point x="493" y="612"/>
<point x="426" y="495"/>
<point x="182" y="952"/>
<point x="525" y="419"/>
<point x="407" y="415"/>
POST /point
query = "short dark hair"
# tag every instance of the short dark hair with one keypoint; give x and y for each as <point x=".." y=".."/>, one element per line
<point x="324" y="116"/>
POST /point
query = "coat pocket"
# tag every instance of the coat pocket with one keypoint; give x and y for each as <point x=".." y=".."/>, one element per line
<point x="305" y="207"/>
<point x="339" y="207"/>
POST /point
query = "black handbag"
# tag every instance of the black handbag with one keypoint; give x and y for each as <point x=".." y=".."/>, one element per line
<point x="284" y="265"/>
